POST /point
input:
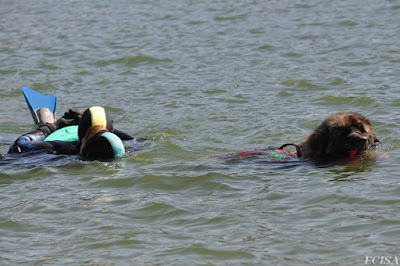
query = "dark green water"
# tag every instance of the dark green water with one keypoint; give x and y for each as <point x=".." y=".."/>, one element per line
<point x="201" y="80"/>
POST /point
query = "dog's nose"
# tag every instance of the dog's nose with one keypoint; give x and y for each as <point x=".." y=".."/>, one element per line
<point x="361" y="141"/>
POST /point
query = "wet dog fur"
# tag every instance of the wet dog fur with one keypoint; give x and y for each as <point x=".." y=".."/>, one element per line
<point x="339" y="136"/>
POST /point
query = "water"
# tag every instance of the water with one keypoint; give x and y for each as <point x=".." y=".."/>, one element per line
<point x="200" y="80"/>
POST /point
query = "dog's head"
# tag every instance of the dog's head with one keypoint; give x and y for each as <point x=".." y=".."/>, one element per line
<point x="340" y="135"/>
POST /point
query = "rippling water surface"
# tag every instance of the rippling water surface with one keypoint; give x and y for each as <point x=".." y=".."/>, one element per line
<point x="201" y="79"/>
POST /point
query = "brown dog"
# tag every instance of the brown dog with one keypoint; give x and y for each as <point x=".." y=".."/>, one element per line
<point x="339" y="136"/>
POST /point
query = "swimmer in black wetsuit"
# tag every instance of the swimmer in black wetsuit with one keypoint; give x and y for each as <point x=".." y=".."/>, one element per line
<point x="96" y="137"/>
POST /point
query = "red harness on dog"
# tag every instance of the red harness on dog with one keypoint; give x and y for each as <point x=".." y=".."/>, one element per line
<point x="280" y="153"/>
<point x="272" y="152"/>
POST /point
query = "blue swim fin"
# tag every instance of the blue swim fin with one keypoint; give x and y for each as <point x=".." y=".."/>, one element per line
<point x="43" y="107"/>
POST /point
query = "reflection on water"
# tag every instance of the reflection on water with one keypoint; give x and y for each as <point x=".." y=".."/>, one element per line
<point x="35" y="158"/>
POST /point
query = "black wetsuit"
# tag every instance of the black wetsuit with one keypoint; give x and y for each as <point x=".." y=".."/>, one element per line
<point x="56" y="146"/>
<point x="34" y="140"/>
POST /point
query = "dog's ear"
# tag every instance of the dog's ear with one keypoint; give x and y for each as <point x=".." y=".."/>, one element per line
<point x="319" y="139"/>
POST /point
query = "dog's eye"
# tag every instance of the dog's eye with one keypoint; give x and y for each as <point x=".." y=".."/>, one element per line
<point x="344" y="131"/>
